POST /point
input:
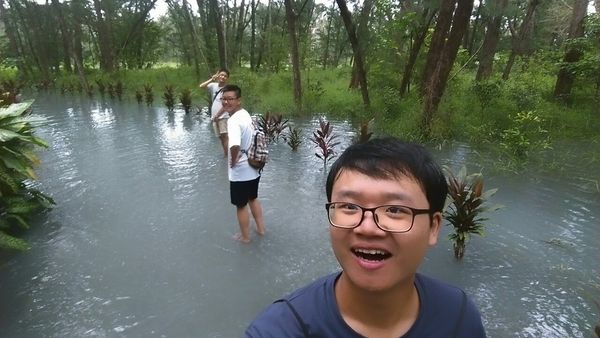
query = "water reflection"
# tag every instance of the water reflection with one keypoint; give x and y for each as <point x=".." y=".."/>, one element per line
<point x="139" y="243"/>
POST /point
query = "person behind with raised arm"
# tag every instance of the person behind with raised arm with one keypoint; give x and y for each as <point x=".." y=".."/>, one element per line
<point x="384" y="206"/>
<point x="218" y="115"/>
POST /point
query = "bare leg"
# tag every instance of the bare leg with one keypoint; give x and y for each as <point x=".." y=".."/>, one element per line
<point x="257" y="213"/>
<point x="224" y="142"/>
<point x="244" y="221"/>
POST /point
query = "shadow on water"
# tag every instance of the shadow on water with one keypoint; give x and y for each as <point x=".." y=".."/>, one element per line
<point x="139" y="243"/>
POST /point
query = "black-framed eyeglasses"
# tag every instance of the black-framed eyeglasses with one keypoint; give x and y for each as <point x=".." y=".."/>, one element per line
<point x="390" y="218"/>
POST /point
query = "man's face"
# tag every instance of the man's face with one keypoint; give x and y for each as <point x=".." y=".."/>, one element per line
<point x="222" y="77"/>
<point x="398" y="255"/>
<point x="231" y="103"/>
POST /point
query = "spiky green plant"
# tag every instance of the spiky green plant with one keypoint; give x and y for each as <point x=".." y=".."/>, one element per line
<point x="101" y="87"/>
<point x="293" y="138"/>
<point x="119" y="89"/>
<point x="465" y="207"/>
<point x="325" y="141"/>
<point x="139" y="97"/>
<point x="111" y="90"/>
<point x="148" y="94"/>
<point x="169" y="97"/>
<point x="186" y="100"/>
<point x="272" y="125"/>
<point x="18" y="200"/>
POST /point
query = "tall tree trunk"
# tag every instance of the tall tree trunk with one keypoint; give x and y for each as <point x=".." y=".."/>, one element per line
<point x="105" y="39"/>
<point x="362" y="36"/>
<point x="292" y="18"/>
<point x="421" y="33"/>
<point x="253" y="36"/>
<point x="490" y="41"/>
<point x="436" y="83"/>
<point x="438" y="40"/>
<point x="358" y="55"/>
<point x="330" y="13"/>
<point x="565" y="79"/>
<point x="196" y="53"/>
<point x="519" y="41"/>
<point x="221" y="39"/>
<point x="65" y="35"/>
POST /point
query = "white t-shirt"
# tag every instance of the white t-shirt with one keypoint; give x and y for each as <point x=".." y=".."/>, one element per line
<point x="213" y="88"/>
<point x="240" y="130"/>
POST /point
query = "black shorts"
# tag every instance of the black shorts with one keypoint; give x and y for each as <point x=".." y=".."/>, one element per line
<point x="243" y="191"/>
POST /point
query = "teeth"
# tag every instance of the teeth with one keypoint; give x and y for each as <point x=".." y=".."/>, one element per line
<point x="371" y="252"/>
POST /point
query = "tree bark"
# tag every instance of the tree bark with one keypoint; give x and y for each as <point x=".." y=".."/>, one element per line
<point x="362" y="35"/>
<point x="221" y="38"/>
<point x="565" y="78"/>
<point x="358" y="55"/>
<point x="105" y="40"/>
<point x="435" y="84"/>
<point x="292" y="17"/>
<point x="65" y="35"/>
<point x="490" y="42"/>
<point x="520" y="40"/>
<point x="421" y="33"/>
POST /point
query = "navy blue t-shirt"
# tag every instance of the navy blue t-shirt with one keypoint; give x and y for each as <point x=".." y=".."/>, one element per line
<point x="445" y="311"/>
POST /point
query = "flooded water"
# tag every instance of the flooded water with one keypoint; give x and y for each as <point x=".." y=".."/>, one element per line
<point x="139" y="243"/>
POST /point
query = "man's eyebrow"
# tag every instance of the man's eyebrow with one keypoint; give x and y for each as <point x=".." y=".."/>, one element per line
<point x="391" y="195"/>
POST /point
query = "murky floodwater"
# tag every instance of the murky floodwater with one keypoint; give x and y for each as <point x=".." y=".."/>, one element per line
<point x="139" y="244"/>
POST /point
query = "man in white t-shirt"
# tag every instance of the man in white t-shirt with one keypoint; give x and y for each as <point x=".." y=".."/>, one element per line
<point x="218" y="115"/>
<point x="243" y="179"/>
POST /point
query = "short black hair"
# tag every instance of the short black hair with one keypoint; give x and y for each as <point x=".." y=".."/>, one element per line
<point x="224" y="70"/>
<point x="390" y="158"/>
<point x="232" y="88"/>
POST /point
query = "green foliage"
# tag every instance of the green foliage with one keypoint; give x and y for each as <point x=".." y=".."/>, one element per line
<point x="148" y="94"/>
<point x="325" y="142"/>
<point x="186" y="100"/>
<point x="272" y="125"/>
<point x="18" y="200"/>
<point x="526" y="134"/>
<point x="293" y="137"/>
<point x="139" y="96"/>
<point x="465" y="206"/>
<point x="169" y="97"/>
<point x="486" y="91"/>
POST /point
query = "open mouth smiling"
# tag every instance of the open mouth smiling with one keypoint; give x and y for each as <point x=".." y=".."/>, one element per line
<point x="375" y="255"/>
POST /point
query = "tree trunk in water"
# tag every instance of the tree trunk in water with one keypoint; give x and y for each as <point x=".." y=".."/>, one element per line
<point x="358" y="55"/>
<point x="436" y="83"/>
<point x="490" y="43"/>
<point x="293" y="39"/>
<point x="414" y="51"/>
<point x="564" y="81"/>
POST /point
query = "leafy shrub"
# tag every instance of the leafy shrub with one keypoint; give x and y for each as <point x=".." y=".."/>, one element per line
<point x="186" y="100"/>
<point x="526" y="133"/>
<point x="169" y="97"/>
<point x="18" y="200"/>
<point x="293" y="138"/>
<point x="325" y="141"/>
<point x="465" y="205"/>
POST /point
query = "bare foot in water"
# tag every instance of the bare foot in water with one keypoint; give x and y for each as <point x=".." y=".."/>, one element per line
<point x="260" y="231"/>
<point x="238" y="237"/>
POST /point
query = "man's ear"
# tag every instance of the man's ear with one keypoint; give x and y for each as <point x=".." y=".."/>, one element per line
<point x="434" y="228"/>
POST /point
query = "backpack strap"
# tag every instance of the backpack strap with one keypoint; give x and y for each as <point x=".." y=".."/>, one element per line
<point x="461" y="315"/>
<point x="217" y="93"/>
<point x="303" y="325"/>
